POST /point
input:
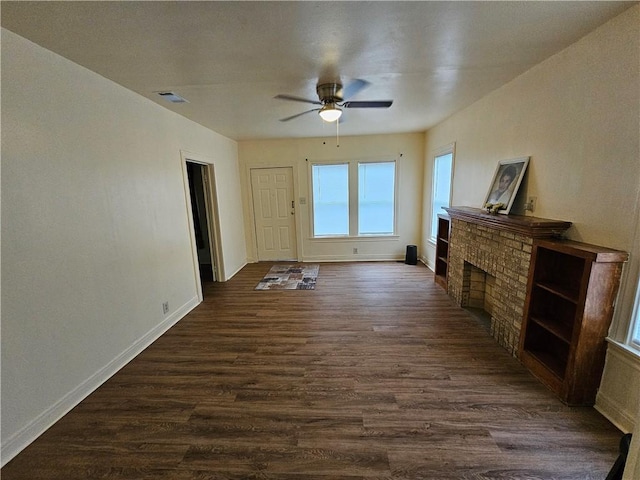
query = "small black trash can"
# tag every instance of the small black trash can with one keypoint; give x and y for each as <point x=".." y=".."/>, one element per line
<point x="411" y="258"/>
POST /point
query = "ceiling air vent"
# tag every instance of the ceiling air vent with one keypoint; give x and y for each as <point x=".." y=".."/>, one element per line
<point x="172" y="97"/>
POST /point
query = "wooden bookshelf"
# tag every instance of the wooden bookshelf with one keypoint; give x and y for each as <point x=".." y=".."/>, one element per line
<point x="442" y="250"/>
<point x="571" y="292"/>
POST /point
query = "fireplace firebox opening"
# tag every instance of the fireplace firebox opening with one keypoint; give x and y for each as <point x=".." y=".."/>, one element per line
<point x="478" y="289"/>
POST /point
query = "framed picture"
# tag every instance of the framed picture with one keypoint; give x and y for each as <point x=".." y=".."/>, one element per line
<point x="504" y="186"/>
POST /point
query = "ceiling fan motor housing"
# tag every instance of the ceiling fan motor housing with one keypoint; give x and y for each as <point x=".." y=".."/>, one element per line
<point x="329" y="92"/>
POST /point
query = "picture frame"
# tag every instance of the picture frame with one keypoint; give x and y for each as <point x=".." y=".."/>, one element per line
<point x="505" y="184"/>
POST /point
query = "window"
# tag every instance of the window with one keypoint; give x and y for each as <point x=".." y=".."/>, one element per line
<point x="371" y="187"/>
<point x="441" y="194"/>
<point x="376" y="194"/>
<point x="634" y="332"/>
<point x="330" y="199"/>
<point x="635" y="336"/>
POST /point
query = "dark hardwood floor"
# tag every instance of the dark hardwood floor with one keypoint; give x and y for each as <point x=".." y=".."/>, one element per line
<point x="376" y="374"/>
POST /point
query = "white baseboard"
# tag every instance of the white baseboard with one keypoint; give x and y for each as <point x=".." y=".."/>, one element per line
<point x="352" y="258"/>
<point x="21" y="439"/>
<point x="614" y="412"/>
<point x="425" y="262"/>
<point x="230" y="276"/>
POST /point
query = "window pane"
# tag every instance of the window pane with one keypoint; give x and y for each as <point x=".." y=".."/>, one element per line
<point x="441" y="188"/>
<point x="635" y="325"/>
<point x="376" y="198"/>
<point x="330" y="199"/>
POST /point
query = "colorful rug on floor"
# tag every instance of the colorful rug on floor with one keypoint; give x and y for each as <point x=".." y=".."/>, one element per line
<point x="290" y="277"/>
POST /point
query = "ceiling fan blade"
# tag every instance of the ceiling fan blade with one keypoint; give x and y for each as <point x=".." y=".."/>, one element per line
<point x="297" y="99"/>
<point x="298" y="115"/>
<point x="368" y="104"/>
<point x="353" y="88"/>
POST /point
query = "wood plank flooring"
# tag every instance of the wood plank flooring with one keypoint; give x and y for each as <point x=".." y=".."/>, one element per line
<point x="376" y="374"/>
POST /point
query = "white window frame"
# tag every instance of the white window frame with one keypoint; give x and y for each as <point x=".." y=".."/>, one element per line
<point x="313" y="200"/>
<point x="395" y="199"/>
<point x="353" y="197"/>
<point x="632" y="338"/>
<point x="442" y="151"/>
<point x="633" y="335"/>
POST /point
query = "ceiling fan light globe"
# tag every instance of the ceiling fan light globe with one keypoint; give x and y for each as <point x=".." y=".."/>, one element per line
<point x="330" y="113"/>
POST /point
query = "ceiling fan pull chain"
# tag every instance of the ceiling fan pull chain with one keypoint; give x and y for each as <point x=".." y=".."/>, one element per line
<point x="338" y="133"/>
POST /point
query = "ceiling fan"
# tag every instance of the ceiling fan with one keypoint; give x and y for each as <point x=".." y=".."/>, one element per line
<point x="333" y="98"/>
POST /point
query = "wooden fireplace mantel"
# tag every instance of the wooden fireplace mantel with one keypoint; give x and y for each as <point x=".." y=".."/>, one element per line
<point x="529" y="226"/>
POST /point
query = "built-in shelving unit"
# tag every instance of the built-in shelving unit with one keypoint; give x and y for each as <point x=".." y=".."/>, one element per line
<point x="442" y="250"/>
<point x="571" y="293"/>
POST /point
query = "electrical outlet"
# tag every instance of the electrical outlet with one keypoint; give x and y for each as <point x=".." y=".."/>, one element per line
<point x="355" y="249"/>
<point x="165" y="307"/>
<point x="531" y="204"/>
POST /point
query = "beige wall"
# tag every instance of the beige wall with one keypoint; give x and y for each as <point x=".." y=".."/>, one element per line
<point x="577" y="116"/>
<point x="406" y="149"/>
<point x="94" y="230"/>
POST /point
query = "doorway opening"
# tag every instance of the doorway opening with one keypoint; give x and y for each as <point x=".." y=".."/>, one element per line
<point x="197" y="187"/>
<point x="199" y="181"/>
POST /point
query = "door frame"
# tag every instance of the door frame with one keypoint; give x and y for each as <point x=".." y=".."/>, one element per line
<point x="213" y="218"/>
<point x="298" y="207"/>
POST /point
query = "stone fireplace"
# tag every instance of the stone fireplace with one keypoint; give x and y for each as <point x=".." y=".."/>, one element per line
<point x="489" y="258"/>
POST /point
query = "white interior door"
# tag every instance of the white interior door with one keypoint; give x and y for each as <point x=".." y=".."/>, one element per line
<point x="274" y="213"/>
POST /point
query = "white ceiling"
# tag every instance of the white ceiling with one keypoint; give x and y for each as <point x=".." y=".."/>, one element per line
<point x="229" y="59"/>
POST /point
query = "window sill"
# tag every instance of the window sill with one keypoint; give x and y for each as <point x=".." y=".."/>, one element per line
<point x="629" y="351"/>
<point x="366" y="238"/>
